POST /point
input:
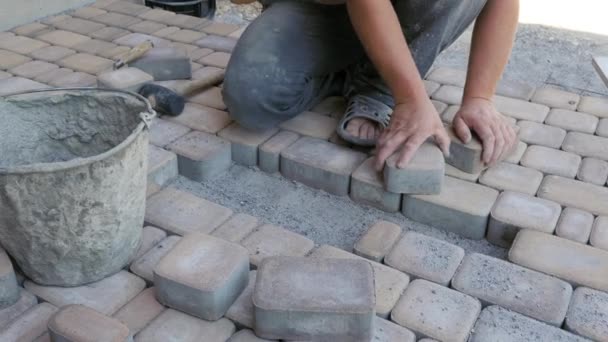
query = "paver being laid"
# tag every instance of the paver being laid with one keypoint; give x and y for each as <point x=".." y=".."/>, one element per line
<point x="311" y="124"/>
<point x="25" y="302"/>
<point x="588" y="314"/>
<point x="172" y="325"/>
<point x="241" y="311"/>
<point x="130" y="79"/>
<point x="245" y="143"/>
<point x="572" y="193"/>
<point x="162" y="165"/>
<point x="320" y="164"/>
<point x="574" y="224"/>
<point x="144" y="265"/>
<point x="556" y="98"/>
<point x="514" y="211"/>
<point x="431" y="310"/>
<point x="425" y="257"/>
<point x="377" y="241"/>
<point x="78" y="323"/>
<point x="389" y="283"/>
<point x="499" y="324"/>
<point x="269" y="154"/>
<point x="163" y="132"/>
<point x="516" y="288"/>
<point x="367" y="187"/>
<point x="599" y="233"/>
<point x="593" y="171"/>
<point x="586" y="145"/>
<point x="30" y="325"/>
<point x="447" y="210"/>
<point x="422" y="175"/>
<point x="202" y="156"/>
<point x="507" y="176"/>
<point x="465" y="157"/>
<point x="294" y="299"/>
<point x="269" y="240"/>
<point x="180" y="212"/>
<point x="551" y="161"/>
<point x="521" y="110"/>
<point x="140" y="311"/>
<point x="535" y="133"/>
<point x="202" y="276"/>
<point x="9" y="289"/>
<point x="106" y="296"/>
<point x="574" y="262"/>
<point x="572" y="121"/>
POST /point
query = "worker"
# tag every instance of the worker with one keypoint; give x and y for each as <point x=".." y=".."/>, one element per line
<point x="374" y="52"/>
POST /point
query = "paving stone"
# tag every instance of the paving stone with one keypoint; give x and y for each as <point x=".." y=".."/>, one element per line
<point x="32" y="69"/>
<point x="109" y="33"/>
<point x="106" y="296"/>
<point x="431" y="310"/>
<point x="572" y="121"/>
<point x="572" y="193"/>
<point x="195" y="66"/>
<point x="268" y="240"/>
<point x="144" y="265"/>
<point x="551" y="161"/>
<point x="498" y="324"/>
<point x="79" y="323"/>
<point x="588" y="314"/>
<point x="88" y="12"/>
<point x="162" y="165"/>
<point x="312" y="125"/>
<point x="202" y="118"/>
<point x="162" y="33"/>
<point x="130" y="79"/>
<point x="269" y="153"/>
<point x="9" y="289"/>
<point x="447" y="211"/>
<point x="116" y="19"/>
<point x="535" y="133"/>
<point x="465" y="157"/>
<point x="246" y="335"/>
<point x="198" y="54"/>
<point x="135" y="39"/>
<point x="425" y="257"/>
<point x="448" y="115"/>
<point x="75" y="79"/>
<point x="516" y="288"/>
<point x="202" y="276"/>
<point x="217" y="43"/>
<point x="320" y="164"/>
<point x="18" y="84"/>
<point x="180" y="212"/>
<point x="422" y="175"/>
<point x="147" y="27"/>
<point x="521" y="110"/>
<point x="173" y="325"/>
<point x="102" y="3"/>
<point x="294" y="299"/>
<point x="386" y="331"/>
<point x="185" y="36"/>
<point x="156" y="14"/>
<point x="52" y="20"/>
<point x="599" y="234"/>
<point x="389" y="283"/>
<point x="184" y="21"/>
<point x="211" y="97"/>
<point x="4" y="75"/>
<point x="236" y="228"/>
<point x="367" y="187"/>
<point x="63" y="38"/>
<point x="245" y="143"/>
<point x="602" y="128"/>
<point x="576" y="263"/>
<point x="52" y="53"/>
<point x="216" y="59"/>
<point x="10" y="59"/>
<point x="128" y="8"/>
<point x="220" y="29"/>
<point x="574" y="224"/>
<point x="30" y="325"/>
<point x="377" y="241"/>
<point x="150" y="237"/>
<point x="556" y="98"/>
<point x="100" y="48"/>
<point x="515" y="89"/>
<point x="140" y="311"/>
<point x="514" y="211"/>
<point x="597" y="106"/>
<point x="25" y="301"/>
<point x="51" y="76"/>
<point x="21" y="45"/>
<point x="431" y="87"/>
<point x="241" y="311"/>
<point x="586" y="145"/>
<point x="163" y="132"/>
<point x="506" y="176"/>
<point x="454" y="172"/>
<point x="30" y="29"/>
<point x="450" y="76"/>
<point x="86" y="63"/>
<point x="151" y="189"/>
<point x="439" y="106"/>
<point x="80" y="26"/>
<point x="449" y="94"/>
<point x="593" y="171"/>
<point x="202" y="156"/>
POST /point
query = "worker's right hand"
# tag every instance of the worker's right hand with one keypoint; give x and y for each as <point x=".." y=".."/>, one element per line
<point x="411" y="125"/>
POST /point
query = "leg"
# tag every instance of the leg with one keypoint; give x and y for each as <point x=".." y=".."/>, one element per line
<point x="289" y="59"/>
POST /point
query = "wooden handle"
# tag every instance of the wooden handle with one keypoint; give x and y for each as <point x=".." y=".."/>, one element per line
<point x="205" y="82"/>
<point x="133" y="54"/>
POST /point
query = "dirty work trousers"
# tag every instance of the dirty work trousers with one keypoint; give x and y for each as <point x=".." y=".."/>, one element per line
<point x="296" y="53"/>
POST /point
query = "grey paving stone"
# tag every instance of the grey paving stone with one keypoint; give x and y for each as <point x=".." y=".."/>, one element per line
<point x="320" y="164"/>
<point x="128" y="8"/>
<point x="572" y="121"/>
<point x="514" y="211"/>
<point x="32" y="69"/>
<point x="517" y="154"/>
<point x="387" y="331"/>
<point x="246" y="335"/>
<point x="515" y="89"/>
<point x="106" y="296"/>
<point x="52" y="53"/>
<point x="245" y="143"/>
<point x="116" y="19"/>
<point x="377" y="241"/>
<point x="180" y="212"/>
<point x="80" y="323"/>
<point x="219" y="28"/>
<point x="367" y="187"/>
<point x="78" y="25"/>
<point x="217" y="43"/>
<point x="52" y="75"/>
<point x="185" y="36"/>
<point x="202" y="118"/>
<point x="172" y="325"/>
<point x="294" y="298"/>
<point x="498" y="324"/>
<point x="75" y="79"/>
<point x="556" y="98"/>
<point x="144" y="265"/>
<point x="150" y="237"/>
<point x="162" y="165"/>
<point x="109" y="33"/>
<point x="9" y="289"/>
<point x="268" y="240"/>
<point x="551" y="161"/>
<point x="594" y="171"/>
<point x="87" y="63"/>
<point x="147" y="27"/>
<point x="269" y="153"/>
<point x="241" y="311"/>
<point x="63" y="38"/>
<point x="574" y="224"/>
<point x="425" y="257"/>
<point x="202" y="276"/>
<point x="574" y="262"/>
<point x="521" y="110"/>
<point x="516" y="288"/>
<point x="311" y="124"/>
<point x="17" y="84"/>
<point x="88" y="12"/>
<point x="389" y="283"/>
<point x="597" y="106"/>
<point x="10" y="59"/>
<point x="30" y="325"/>
<point x="506" y="176"/>
<point x="602" y="128"/>
<point x="236" y="228"/>
<point x="422" y="175"/>
<point x="202" y="156"/>
<point x="572" y="193"/>
<point x="25" y="302"/>
<point x="588" y="314"/>
<point x="535" y="133"/>
<point x="163" y="132"/>
<point x="450" y="76"/>
<point x="586" y="145"/>
<point x="447" y="211"/>
<point x="455" y="173"/>
<point x="29" y="30"/>
<point x="465" y="157"/>
<point x="21" y="45"/>
<point x="140" y="311"/>
<point x="448" y="94"/>
<point x="431" y="310"/>
<point x="130" y="79"/>
<point x="163" y="63"/>
<point x="599" y="233"/>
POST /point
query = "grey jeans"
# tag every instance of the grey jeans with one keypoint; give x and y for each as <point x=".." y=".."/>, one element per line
<point x="296" y="53"/>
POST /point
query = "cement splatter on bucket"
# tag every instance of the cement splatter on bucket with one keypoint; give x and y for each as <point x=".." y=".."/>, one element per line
<point x="73" y="166"/>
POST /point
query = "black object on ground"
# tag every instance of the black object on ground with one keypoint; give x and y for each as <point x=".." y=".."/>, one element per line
<point x="197" y="8"/>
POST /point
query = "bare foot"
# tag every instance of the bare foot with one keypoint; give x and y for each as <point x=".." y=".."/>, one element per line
<point x="363" y="129"/>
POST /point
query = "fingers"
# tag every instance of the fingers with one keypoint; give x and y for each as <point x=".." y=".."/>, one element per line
<point x="486" y="135"/>
<point x="409" y="149"/>
<point x="499" y="143"/>
<point x="462" y="130"/>
<point x="388" y="147"/>
<point x="510" y="140"/>
<point x="443" y="140"/>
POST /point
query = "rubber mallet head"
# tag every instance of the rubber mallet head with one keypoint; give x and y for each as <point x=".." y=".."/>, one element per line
<point x="163" y="99"/>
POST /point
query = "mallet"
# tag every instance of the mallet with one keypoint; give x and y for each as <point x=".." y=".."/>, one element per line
<point x="133" y="54"/>
<point x="171" y="101"/>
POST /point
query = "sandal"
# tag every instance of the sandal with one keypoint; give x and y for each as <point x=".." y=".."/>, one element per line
<point x="361" y="106"/>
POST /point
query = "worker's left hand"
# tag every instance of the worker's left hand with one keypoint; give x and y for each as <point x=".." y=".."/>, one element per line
<point x="497" y="135"/>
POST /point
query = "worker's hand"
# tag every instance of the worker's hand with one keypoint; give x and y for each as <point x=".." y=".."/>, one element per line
<point x="497" y="135"/>
<point x="411" y="125"/>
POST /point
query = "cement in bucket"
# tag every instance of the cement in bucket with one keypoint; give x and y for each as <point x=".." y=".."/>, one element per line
<point x="73" y="166"/>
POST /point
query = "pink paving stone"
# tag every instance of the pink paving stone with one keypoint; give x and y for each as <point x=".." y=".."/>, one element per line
<point x="236" y="228"/>
<point x="30" y="325"/>
<point x="162" y="33"/>
<point x="172" y="325"/>
<point x="109" y="33"/>
<point x="237" y="34"/>
<point x="551" y="161"/>
<point x="377" y="241"/>
<point x="52" y="75"/>
<point x="22" y="45"/>
<point x="245" y="142"/>
<point x="156" y="14"/>
<point x="163" y="132"/>
<point x="150" y="237"/>
<point x="63" y="38"/>
<point x="211" y="97"/>
<point x="88" y="12"/>
<point x="52" y="53"/>
<point x="78" y="25"/>
<point x="184" y="21"/>
<point x="449" y="94"/>
<point x="506" y="176"/>
<point x="86" y="63"/>
<point x="602" y="128"/>
<point x="129" y="8"/>
<point x="116" y="19"/>
<point x="33" y="69"/>
<point x="269" y="154"/>
<point x="331" y="106"/>
<point x="217" y="43"/>
<point x="144" y="265"/>
<point x="556" y="98"/>
<point x="97" y="47"/>
<point x="140" y="311"/>
<point x="220" y="29"/>
<point x="4" y="75"/>
<point x="202" y="156"/>
<point x="29" y="29"/>
<point x="246" y="335"/>
<point x="75" y="79"/>
<point x="185" y="36"/>
<point x="198" y="54"/>
<point x="202" y="118"/>
<point x="135" y="39"/>
<point x="147" y="27"/>
<point x="80" y="323"/>
<point x="10" y="59"/>
<point x="367" y="187"/>
<point x="517" y="154"/>
<point x="430" y="87"/>
<point x="180" y="212"/>
<point x="269" y="240"/>
<point x="216" y="59"/>
<point x="311" y="124"/>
